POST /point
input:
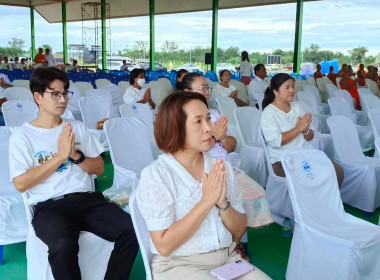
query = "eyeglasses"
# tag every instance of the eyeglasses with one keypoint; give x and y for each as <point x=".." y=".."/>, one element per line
<point x="56" y="95"/>
<point x="203" y="89"/>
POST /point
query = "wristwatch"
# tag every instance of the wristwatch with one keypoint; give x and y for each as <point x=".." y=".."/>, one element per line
<point x="225" y="208"/>
<point x="81" y="159"/>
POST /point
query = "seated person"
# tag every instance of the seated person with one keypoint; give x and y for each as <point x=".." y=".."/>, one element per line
<point x="342" y="71"/>
<point x="255" y="203"/>
<point x="22" y="65"/>
<point x="4" y="83"/>
<point x="224" y="89"/>
<point x="5" y="65"/>
<point x="351" y="85"/>
<point x="136" y="93"/>
<point x="187" y="198"/>
<point x="285" y="125"/>
<point x="74" y="67"/>
<point x="51" y="160"/>
<point x="318" y="73"/>
<point x="331" y="75"/>
<point x="124" y="67"/>
<point x="180" y="74"/>
<point x="361" y="74"/>
<point x="258" y="84"/>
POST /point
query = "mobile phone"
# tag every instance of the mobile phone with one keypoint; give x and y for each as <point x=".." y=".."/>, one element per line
<point x="232" y="270"/>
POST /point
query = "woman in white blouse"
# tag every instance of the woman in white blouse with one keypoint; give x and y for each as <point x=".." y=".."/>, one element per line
<point x="245" y="68"/>
<point x="136" y="93"/>
<point x="225" y="89"/>
<point x="285" y="125"/>
<point x="189" y="200"/>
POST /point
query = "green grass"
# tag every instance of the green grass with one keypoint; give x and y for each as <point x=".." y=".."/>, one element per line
<point x="268" y="249"/>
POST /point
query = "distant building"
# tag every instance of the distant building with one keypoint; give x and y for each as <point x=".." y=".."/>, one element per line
<point x="76" y="50"/>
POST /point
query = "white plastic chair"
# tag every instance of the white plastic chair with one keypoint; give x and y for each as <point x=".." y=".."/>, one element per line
<point x="165" y="83"/>
<point x="21" y="83"/>
<point x="340" y="107"/>
<point x="16" y="112"/>
<point x="331" y="88"/>
<point x="321" y="84"/>
<point x="251" y="151"/>
<point x="276" y="191"/>
<point x="131" y="155"/>
<point x="369" y="101"/>
<point x="226" y="107"/>
<point x="159" y="91"/>
<point x="18" y="93"/>
<point x="83" y="87"/>
<point x="99" y="83"/>
<point x="13" y="222"/>
<point x="360" y="116"/>
<point x="311" y="81"/>
<point x="327" y="242"/>
<point x="310" y="100"/>
<point x="372" y="86"/>
<point x="142" y="234"/>
<point x="323" y="108"/>
<point x="361" y="185"/>
<point x="374" y="116"/>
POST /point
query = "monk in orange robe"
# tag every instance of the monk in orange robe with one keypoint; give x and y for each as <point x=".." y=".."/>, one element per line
<point x="342" y="72"/>
<point x="40" y="57"/>
<point x="332" y="75"/>
<point x="361" y="75"/>
<point x="351" y="86"/>
<point x="318" y="73"/>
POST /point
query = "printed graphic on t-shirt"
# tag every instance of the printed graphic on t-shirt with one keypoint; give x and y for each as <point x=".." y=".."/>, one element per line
<point x="44" y="156"/>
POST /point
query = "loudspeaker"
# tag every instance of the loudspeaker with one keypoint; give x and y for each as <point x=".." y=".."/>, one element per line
<point x="208" y="58"/>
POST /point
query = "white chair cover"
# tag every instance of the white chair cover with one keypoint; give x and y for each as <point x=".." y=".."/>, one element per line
<point x="327" y="242"/>
<point x="108" y="96"/>
<point x="13" y="222"/>
<point x="331" y="88"/>
<point x="16" y="112"/>
<point x="338" y="83"/>
<point x="360" y="116"/>
<point x="321" y="84"/>
<point x="159" y="91"/>
<point x="372" y="86"/>
<point x="142" y="234"/>
<point x="99" y="83"/>
<point x="165" y="82"/>
<point x="276" y="191"/>
<point x="361" y="185"/>
<point x="298" y="85"/>
<point x="18" y="93"/>
<point x="340" y="107"/>
<point x="369" y="101"/>
<point x="310" y="99"/>
<point x="226" y="107"/>
<point x="117" y="97"/>
<point x="21" y="83"/>
<point x="251" y="151"/>
<point x="129" y="147"/>
<point x="374" y="116"/>
<point x="83" y="87"/>
<point x="93" y="110"/>
<point x="73" y="104"/>
<point x="326" y="80"/>
<point x="322" y="142"/>
<point x="322" y="107"/>
<point x="242" y="89"/>
<point x="123" y="87"/>
<point x="311" y="81"/>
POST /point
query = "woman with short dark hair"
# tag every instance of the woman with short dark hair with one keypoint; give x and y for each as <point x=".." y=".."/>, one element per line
<point x="136" y="93"/>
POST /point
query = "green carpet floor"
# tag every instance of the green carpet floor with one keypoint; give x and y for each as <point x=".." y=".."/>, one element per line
<point x="268" y="249"/>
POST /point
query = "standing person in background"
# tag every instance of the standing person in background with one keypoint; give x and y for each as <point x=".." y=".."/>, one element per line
<point x="124" y="67"/>
<point x="332" y="76"/>
<point x="245" y="68"/>
<point x="74" y="67"/>
<point x="15" y="59"/>
<point x="40" y="57"/>
<point x="258" y="84"/>
<point x="49" y="58"/>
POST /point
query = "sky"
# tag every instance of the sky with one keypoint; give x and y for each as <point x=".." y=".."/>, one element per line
<point x="337" y="25"/>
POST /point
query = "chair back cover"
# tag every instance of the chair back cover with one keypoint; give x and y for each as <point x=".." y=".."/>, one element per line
<point x="17" y="93"/>
<point x="128" y="139"/>
<point x="374" y="116"/>
<point x="83" y="87"/>
<point x="108" y="96"/>
<point x="340" y="107"/>
<point x="242" y="89"/>
<point x="226" y="107"/>
<point x="331" y="88"/>
<point x="372" y="86"/>
<point x="159" y="91"/>
<point x="99" y="83"/>
<point x="311" y="81"/>
<point x="315" y="92"/>
<point x="93" y="110"/>
<point x="73" y="104"/>
<point x="117" y="97"/>
<point x="123" y="87"/>
<point x="343" y="246"/>
<point x="321" y="84"/>
<point x="338" y="83"/>
<point x="13" y="222"/>
<point x="16" y="112"/>
<point x="142" y="234"/>
<point x="344" y="94"/>
<point x="248" y="121"/>
<point x="309" y="98"/>
<point x="369" y="101"/>
<point x="21" y="83"/>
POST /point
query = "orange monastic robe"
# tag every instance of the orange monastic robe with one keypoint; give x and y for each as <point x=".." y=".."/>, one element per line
<point x="353" y="91"/>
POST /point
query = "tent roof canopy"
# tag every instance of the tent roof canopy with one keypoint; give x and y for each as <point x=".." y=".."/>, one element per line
<point x="51" y="9"/>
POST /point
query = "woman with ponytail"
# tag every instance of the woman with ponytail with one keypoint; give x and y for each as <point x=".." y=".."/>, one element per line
<point x="285" y="125"/>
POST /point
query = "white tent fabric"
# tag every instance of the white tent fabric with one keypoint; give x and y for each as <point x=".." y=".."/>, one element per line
<point x="17" y="93"/>
<point x="13" y="223"/>
<point x="16" y="112"/>
<point x="327" y="242"/>
<point x="251" y="151"/>
<point x="360" y="116"/>
<point x="142" y="234"/>
<point x="340" y="107"/>
<point x="99" y="83"/>
<point x="276" y="191"/>
<point x="361" y="185"/>
<point x="131" y="155"/>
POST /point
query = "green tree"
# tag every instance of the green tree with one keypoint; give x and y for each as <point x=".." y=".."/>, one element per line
<point x="358" y="54"/>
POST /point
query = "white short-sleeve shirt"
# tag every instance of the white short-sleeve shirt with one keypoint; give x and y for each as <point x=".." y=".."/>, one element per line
<point x="133" y="95"/>
<point x="167" y="192"/>
<point x="220" y="90"/>
<point x="31" y="146"/>
<point x="6" y="81"/>
<point x="274" y="122"/>
<point x="255" y="86"/>
<point x="246" y="68"/>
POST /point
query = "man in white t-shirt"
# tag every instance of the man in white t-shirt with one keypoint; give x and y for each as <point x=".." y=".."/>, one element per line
<point x="51" y="160"/>
<point x="5" y="65"/>
<point x="49" y="58"/>
<point x="4" y="83"/>
<point x="124" y="67"/>
<point x="258" y="85"/>
<point x="22" y="65"/>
